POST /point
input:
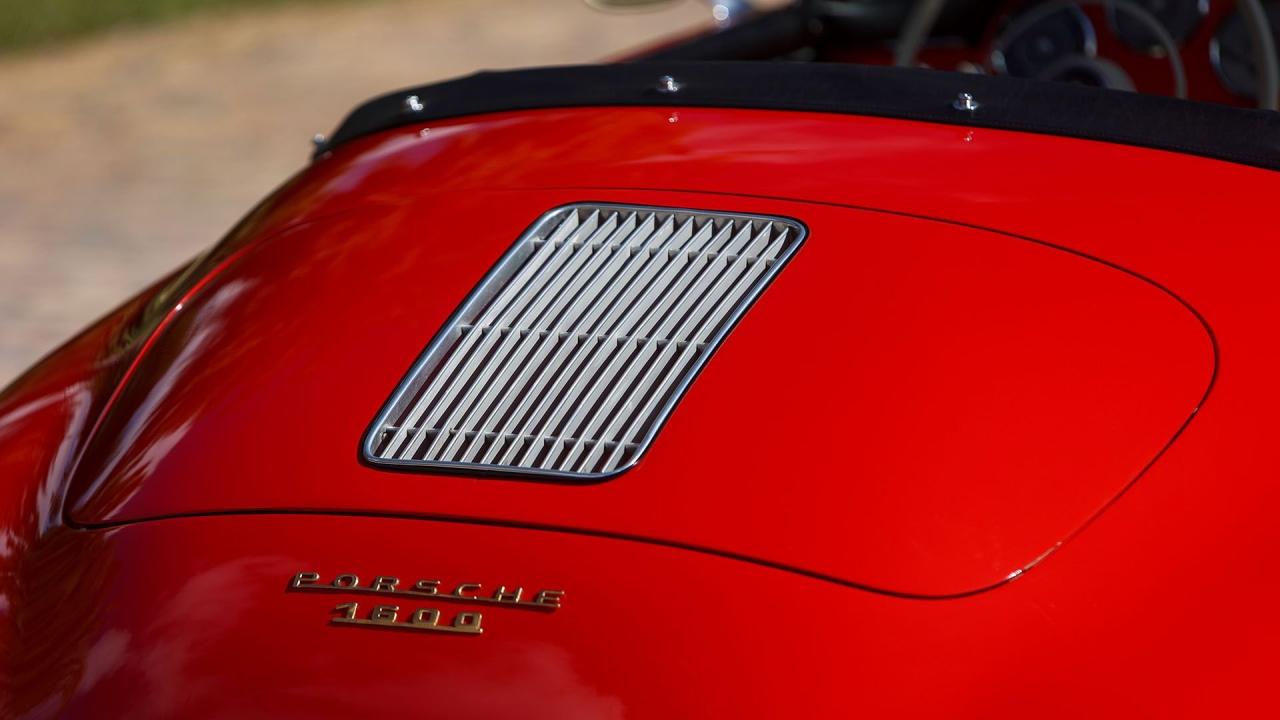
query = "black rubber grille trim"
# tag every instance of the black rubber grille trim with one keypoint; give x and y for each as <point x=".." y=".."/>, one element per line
<point x="1249" y="137"/>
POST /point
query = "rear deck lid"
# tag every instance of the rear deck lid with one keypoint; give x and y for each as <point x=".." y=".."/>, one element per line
<point x="909" y="405"/>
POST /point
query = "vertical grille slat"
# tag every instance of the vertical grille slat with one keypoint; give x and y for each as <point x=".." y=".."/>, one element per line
<point x="569" y="355"/>
<point x="501" y="369"/>
<point x="679" y="289"/>
<point x="685" y="340"/>
<point x="459" y="354"/>
<point x="660" y="388"/>
<point x="595" y="298"/>
<point x="604" y="329"/>
<point x="519" y="306"/>
<point x="540" y="300"/>
<point x="611" y="250"/>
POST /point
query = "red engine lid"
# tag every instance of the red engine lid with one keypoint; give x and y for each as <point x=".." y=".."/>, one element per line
<point x="914" y="406"/>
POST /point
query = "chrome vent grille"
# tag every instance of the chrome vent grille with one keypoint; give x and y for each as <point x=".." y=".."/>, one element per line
<point x="570" y="354"/>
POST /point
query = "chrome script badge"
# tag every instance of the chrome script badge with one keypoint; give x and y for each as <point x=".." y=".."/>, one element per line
<point x="389" y="613"/>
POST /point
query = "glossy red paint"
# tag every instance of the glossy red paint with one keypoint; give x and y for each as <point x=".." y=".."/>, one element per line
<point x="967" y="398"/>
<point x="247" y="400"/>
<point x="194" y="618"/>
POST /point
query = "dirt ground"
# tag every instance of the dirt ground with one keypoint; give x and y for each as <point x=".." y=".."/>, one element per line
<point x="124" y="155"/>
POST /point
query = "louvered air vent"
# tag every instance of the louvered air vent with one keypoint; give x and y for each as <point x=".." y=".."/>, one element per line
<point x="570" y="354"/>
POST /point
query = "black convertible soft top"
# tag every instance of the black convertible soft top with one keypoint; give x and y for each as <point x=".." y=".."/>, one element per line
<point x="1250" y="137"/>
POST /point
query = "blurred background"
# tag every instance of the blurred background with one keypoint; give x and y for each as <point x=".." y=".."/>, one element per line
<point x="133" y="133"/>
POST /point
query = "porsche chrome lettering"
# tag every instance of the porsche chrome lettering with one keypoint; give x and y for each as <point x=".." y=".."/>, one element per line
<point x="427" y="619"/>
<point x="467" y="592"/>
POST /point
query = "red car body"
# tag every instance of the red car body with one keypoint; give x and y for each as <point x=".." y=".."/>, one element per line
<point x="994" y="443"/>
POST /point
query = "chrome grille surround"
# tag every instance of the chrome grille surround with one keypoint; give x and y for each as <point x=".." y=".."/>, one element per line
<point x="568" y="357"/>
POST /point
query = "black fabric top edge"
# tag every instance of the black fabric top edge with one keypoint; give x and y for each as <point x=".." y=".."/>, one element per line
<point x="1249" y="137"/>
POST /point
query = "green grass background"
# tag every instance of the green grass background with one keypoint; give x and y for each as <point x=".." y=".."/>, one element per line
<point x="31" y="23"/>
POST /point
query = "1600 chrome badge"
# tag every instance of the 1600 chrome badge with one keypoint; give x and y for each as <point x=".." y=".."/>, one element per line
<point x="394" y="615"/>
